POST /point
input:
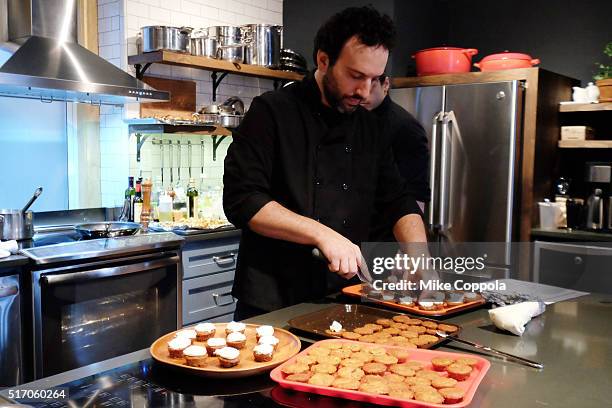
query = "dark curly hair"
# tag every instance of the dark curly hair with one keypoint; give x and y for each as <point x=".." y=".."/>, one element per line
<point x="371" y="27"/>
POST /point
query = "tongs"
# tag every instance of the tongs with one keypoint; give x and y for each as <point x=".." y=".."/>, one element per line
<point x="492" y="350"/>
<point x="363" y="272"/>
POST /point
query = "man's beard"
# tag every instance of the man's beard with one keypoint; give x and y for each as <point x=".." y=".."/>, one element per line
<point x="333" y="95"/>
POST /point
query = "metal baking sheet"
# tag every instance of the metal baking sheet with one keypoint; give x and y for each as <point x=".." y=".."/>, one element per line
<point x="351" y="317"/>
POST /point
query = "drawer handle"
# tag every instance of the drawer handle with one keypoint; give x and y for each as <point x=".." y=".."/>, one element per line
<point x="225" y="259"/>
<point x="217" y="296"/>
<point x="578" y="260"/>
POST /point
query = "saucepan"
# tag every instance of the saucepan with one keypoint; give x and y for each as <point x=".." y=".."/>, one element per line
<point x="109" y="229"/>
<point x="444" y="60"/>
<point x="506" y="60"/>
<point x="18" y="224"/>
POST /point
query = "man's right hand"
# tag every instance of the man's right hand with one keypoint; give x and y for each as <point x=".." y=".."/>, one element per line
<point x="344" y="257"/>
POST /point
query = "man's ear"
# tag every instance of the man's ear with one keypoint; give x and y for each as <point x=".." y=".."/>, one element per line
<point x="322" y="61"/>
<point x="387" y="85"/>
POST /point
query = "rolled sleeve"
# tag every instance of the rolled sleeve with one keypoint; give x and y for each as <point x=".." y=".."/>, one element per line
<point x="248" y="165"/>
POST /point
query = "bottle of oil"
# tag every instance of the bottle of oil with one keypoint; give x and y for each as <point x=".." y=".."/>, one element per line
<point x="130" y="192"/>
<point x="192" y="199"/>
<point x="138" y="201"/>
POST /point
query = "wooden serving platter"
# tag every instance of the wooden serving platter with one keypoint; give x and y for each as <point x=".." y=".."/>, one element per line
<point x="355" y="291"/>
<point x="289" y="345"/>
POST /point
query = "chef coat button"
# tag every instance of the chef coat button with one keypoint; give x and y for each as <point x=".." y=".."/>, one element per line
<point x="345" y="186"/>
<point x="348" y="149"/>
<point x="317" y="182"/>
<point x="345" y="222"/>
<point x="318" y="220"/>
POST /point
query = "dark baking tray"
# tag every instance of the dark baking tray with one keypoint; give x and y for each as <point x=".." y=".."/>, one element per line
<point x="193" y="231"/>
<point x="351" y="317"/>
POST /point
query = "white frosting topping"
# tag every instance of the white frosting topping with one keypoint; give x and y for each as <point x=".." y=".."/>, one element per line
<point x="195" y="351"/>
<point x="426" y="303"/>
<point x="228" y="353"/>
<point x="265" y="331"/>
<point x="205" y="328"/>
<point x="470" y="295"/>
<point x="179" y="343"/>
<point x="268" y="340"/>
<point x="236" y="326"/>
<point x="236" y="337"/>
<point x="188" y="334"/>
<point x="263" y="349"/>
<point x="216" y="342"/>
<point x="406" y="299"/>
<point x="336" y="327"/>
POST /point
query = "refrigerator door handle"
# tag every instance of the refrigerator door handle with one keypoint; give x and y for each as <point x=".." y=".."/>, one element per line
<point x="445" y="146"/>
<point x="433" y="182"/>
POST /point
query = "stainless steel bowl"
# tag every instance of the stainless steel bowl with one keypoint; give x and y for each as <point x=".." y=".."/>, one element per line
<point x="230" y="121"/>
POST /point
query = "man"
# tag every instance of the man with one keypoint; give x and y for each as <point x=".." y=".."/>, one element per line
<point x="307" y="169"/>
<point x="409" y="143"/>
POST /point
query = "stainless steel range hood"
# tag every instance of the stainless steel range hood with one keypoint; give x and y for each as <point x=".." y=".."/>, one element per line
<point x="50" y="65"/>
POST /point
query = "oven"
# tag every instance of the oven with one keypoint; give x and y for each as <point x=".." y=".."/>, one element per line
<point x="94" y="309"/>
<point x="11" y="356"/>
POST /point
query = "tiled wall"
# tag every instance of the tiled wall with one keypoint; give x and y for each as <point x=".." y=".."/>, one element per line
<point x="119" y="23"/>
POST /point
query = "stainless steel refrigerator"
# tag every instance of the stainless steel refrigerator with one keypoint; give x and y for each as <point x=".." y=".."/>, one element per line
<point x="473" y="131"/>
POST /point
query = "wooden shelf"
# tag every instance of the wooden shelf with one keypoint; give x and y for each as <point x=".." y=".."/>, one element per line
<point x="586" y="107"/>
<point x="585" y="144"/>
<point x="210" y="64"/>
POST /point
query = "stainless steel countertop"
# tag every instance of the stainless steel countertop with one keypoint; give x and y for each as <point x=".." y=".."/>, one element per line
<point x="572" y="339"/>
<point x="13" y="261"/>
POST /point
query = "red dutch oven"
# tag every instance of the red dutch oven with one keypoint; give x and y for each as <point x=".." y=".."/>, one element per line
<point x="506" y="60"/>
<point x="444" y="60"/>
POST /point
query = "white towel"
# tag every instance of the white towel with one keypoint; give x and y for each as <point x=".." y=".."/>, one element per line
<point x="10" y="246"/>
<point x="513" y="318"/>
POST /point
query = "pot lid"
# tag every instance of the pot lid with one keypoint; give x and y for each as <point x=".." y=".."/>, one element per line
<point x="507" y="55"/>
<point x="443" y="48"/>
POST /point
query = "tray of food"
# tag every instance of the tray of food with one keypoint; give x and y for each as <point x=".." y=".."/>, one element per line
<point x="192" y="226"/>
<point x="226" y="350"/>
<point x="372" y="325"/>
<point x="384" y="375"/>
<point x="440" y="304"/>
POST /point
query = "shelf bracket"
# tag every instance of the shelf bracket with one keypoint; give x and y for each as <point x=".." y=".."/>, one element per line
<point x="140" y="70"/>
<point x="216" y="81"/>
<point x="140" y="141"/>
<point x="216" y="144"/>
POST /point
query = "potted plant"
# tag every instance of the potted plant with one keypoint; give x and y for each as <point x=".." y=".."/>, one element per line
<point x="604" y="78"/>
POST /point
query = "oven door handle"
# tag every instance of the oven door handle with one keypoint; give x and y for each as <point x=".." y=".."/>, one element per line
<point x="108" y="272"/>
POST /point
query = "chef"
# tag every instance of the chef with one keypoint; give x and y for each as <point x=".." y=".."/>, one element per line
<point x="409" y="144"/>
<point x="307" y="168"/>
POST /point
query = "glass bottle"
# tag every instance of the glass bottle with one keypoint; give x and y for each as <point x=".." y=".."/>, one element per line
<point x="130" y="193"/>
<point x="192" y="199"/>
<point x="138" y="201"/>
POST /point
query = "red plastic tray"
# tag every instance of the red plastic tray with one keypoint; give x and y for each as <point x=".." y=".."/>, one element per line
<point x="470" y="385"/>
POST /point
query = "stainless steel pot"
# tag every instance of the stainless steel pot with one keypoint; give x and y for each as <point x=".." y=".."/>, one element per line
<point x="156" y="38"/>
<point x="16" y="224"/>
<point x="230" y="121"/>
<point x="200" y="44"/>
<point x="263" y="44"/>
<point x="232" y="53"/>
<point x="226" y="35"/>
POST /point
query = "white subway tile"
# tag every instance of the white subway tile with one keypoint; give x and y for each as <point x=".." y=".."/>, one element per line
<point x="110" y="9"/>
<point x="136" y="9"/>
<point x="210" y="12"/>
<point x="191" y="8"/>
<point x="161" y="15"/>
<point x="104" y="24"/>
<point x="275" y="5"/>
<point x="179" y="19"/>
<point x="157" y="3"/>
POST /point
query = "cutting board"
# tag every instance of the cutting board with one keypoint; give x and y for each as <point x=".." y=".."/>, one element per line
<point x="182" y="102"/>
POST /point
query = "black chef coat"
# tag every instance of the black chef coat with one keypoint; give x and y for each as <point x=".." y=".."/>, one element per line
<point x="409" y="144"/>
<point x="318" y="163"/>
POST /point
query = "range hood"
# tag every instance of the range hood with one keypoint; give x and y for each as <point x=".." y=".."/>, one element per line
<point x="48" y="64"/>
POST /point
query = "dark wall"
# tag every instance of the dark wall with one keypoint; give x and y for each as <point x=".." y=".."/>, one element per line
<point x="302" y="19"/>
<point x="567" y="35"/>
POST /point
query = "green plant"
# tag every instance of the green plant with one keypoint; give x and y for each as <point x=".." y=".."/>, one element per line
<point x="605" y="70"/>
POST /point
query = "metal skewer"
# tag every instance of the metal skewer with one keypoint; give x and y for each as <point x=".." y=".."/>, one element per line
<point x="522" y="360"/>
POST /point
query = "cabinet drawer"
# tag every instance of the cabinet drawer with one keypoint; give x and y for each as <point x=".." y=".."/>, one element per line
<point x="573" y="266"/>
<point x="208" y="257"/>
<point x="207" y="297"/>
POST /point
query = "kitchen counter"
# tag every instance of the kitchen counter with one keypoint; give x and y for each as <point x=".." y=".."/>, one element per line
<point x="571" y="339"/>
<point x="228" y="233"/>
<point x="13" y="261"/>
<point x="571" y="235"/>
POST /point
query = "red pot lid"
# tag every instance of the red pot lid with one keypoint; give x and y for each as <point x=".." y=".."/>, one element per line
<point x="442" y="48"/>
<point x="507" y="55"/>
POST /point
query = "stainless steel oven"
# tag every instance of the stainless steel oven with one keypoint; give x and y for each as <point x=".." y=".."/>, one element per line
<point x="11" y="355"/>
<point x="106" y="305"/>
